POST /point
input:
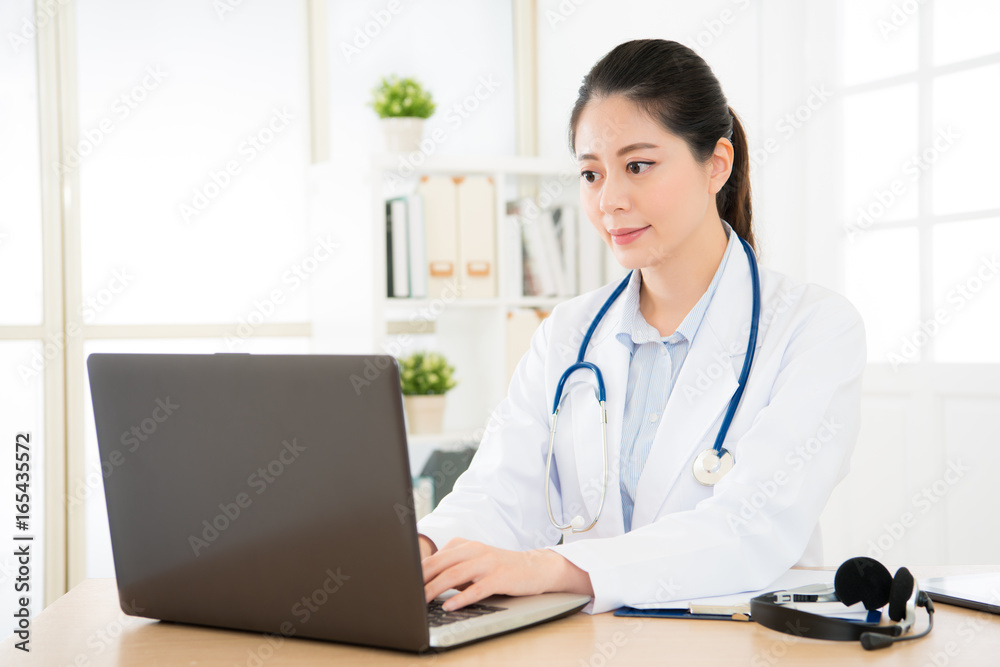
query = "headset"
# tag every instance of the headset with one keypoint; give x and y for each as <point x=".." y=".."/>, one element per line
<point x="860" y="579"/>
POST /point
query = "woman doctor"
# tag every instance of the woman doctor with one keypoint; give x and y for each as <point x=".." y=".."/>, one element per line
<point x="664" y="179"/>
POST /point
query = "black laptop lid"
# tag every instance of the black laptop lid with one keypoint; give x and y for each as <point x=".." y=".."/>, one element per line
<point x="261" y="492"/>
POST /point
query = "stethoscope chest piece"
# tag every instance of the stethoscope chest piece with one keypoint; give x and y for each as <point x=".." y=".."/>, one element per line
<point x="710" y="467"/>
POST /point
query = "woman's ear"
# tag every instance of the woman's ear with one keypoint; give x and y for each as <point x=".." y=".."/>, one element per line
<point x="721" y="165"/>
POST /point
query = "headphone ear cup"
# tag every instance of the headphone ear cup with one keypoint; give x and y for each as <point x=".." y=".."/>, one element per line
<point x="902" y="589"/>
<point x="863" y="579"/>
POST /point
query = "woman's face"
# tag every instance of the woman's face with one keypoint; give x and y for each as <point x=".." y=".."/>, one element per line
<point x="640" y="185"/>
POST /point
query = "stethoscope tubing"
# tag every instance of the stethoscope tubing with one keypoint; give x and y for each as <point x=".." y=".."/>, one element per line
<point x="734" y="402"/>
<point x="580" y="364"/>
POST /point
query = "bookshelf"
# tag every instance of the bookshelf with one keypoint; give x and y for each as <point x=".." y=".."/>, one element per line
<point x="472" y="332"/>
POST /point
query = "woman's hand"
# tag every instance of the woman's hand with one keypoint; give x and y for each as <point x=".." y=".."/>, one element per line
<point x="427" y="547"/>
<point x="480" y="571"/>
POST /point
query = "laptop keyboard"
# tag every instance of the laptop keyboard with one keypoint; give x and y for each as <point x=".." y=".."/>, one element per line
<point x="437" y="616"/>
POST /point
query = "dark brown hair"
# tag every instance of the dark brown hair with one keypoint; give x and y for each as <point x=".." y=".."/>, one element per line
<point x="675" y="86"/>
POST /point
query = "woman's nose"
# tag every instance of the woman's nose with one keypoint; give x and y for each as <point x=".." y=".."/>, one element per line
<point x="614" y="196"/>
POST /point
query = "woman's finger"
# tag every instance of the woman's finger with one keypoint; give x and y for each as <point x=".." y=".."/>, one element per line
<point x="459" y="574"/>
<point x="447" y="557"/>
<point x="473" y="593"/>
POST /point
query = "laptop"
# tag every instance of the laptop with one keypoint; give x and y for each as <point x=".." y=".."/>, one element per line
<point x="974" y="591"/>
<point x="272" y="493"/>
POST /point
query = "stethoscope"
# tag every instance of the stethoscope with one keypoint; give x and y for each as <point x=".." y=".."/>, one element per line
<point x="712" y="464"/>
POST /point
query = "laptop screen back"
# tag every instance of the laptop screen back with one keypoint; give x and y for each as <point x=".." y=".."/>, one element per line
<point x="261" y="492"/>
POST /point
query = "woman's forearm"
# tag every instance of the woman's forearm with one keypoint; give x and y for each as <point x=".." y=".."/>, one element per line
<point x="566" y="577"/>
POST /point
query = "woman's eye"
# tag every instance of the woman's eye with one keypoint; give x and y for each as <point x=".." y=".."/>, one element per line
<point x="588" y="176"/>
<point x="638" y="167"/>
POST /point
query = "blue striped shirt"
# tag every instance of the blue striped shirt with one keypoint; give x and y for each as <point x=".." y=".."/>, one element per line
<point x="652" y="357"/>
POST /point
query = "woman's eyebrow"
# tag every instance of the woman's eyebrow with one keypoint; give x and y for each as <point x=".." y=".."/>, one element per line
<point x="621" y="151"/>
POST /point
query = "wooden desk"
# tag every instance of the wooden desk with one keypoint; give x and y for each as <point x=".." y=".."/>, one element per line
<point x="86" y="628"/>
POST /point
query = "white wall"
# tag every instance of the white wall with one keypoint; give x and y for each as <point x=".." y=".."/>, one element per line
<point x="774" y="59"/>
<point x="779" y="58"/>
<point x="757" y="52"/>
<point x="463" y="53"/>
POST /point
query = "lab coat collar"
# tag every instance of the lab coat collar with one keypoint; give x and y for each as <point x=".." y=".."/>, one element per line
<point x="634" y="330"/>
<point x="612" y="321"/>
<point x="702" y="392"/>
<point x="697" y="402"/>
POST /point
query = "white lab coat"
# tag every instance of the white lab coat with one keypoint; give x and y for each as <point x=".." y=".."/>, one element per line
<point x="792" y="439"/>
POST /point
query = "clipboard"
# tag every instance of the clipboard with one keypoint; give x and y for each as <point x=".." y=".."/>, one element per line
<point x="736" y="607"/>
<point x="679" y="613"/>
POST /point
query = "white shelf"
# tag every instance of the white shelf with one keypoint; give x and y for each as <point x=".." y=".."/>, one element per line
<point x="471" y="332"/>
<point x="407" y="305"/>
<point x="473" y="164"/>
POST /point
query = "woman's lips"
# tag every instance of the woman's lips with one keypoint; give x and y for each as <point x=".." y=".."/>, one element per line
<point x="626" y="235"/>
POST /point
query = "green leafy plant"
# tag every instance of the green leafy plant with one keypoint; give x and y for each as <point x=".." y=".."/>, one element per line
<point x="425" y="373"/>
<point x="397" y="97"/>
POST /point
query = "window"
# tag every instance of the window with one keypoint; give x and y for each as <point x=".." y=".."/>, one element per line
<point x="920" y="222"/>
<point x="155" y="199"/>
<point x="192" y="159"/>
<point x="922" y="86"/>
<point x="26" y="343"/>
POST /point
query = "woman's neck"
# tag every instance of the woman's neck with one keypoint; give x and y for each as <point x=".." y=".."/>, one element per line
<point x="672" y="287"/>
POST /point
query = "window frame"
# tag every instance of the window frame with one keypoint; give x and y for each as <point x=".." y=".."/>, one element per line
<point x="63" y="375"/>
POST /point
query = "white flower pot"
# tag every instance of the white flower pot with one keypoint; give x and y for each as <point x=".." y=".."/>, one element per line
<point x="424" y="414"/>
<point x="402" y="135"/>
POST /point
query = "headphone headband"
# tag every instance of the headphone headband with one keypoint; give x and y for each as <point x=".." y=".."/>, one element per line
<point x="857" y="580"/>
<point x="765" y="610"/>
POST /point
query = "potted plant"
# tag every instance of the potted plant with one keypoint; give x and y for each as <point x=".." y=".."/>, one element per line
<point x="403" y="105"/>
<point x="425" y="377"/>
